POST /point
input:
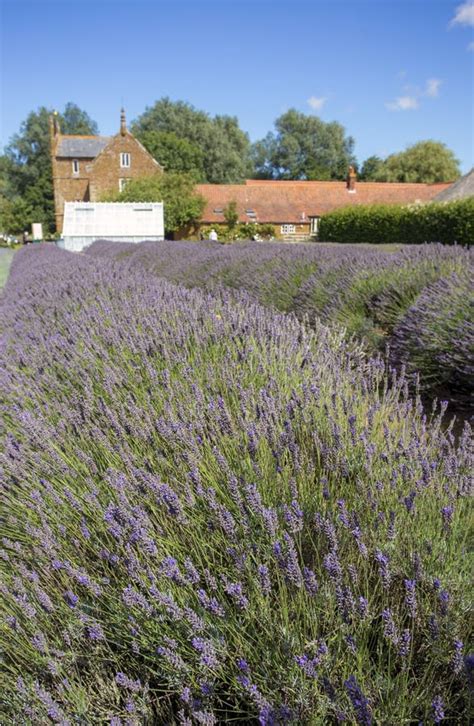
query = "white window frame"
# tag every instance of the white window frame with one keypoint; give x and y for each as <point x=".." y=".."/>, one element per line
<point x="288" y="228"/>
<point x="75" y="166"/>
<point x="123" y="183"/>
<point x="125" y="160"/>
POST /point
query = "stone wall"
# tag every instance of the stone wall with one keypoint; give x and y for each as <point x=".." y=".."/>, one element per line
<point x="97" y="177"/>
<point x="106" y="170"/>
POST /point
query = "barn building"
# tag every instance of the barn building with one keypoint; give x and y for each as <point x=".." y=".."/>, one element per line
<point x="87" y="167"/>
<point x="295" y="207"/>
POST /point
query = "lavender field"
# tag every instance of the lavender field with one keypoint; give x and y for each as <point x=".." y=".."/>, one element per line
<point x="213" y="512"/>
<point x="416" y="301"/>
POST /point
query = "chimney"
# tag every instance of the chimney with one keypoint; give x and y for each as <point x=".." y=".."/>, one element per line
<point x="123" y="122"/>
<point x="54" y="129"/>
<point x="351" y="180"/>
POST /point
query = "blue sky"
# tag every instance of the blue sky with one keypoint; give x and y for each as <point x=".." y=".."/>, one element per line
<point x="391" y="71"/>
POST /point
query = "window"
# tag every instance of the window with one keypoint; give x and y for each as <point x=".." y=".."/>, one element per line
<point x="122" y="184"/>
<point x="314" y="225"/>
<point x="75" y="166"/>
<point x="124" y="160"/>
<point x="288" y="229"/>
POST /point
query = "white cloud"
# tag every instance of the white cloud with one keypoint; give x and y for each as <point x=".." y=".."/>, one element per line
<point x="413" y="94"/>
<point x="464" y="14"/>
<point x="403" y="103"/>
<point x="432" y="87"/>
<point x="317" y="103"/>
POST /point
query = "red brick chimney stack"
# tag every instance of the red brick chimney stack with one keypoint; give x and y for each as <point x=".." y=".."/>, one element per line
<point x="351" y="180"/>
<point x="123" y="123"/>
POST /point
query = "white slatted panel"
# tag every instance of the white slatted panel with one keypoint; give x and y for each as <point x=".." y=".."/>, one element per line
<point x="112" y="220"/>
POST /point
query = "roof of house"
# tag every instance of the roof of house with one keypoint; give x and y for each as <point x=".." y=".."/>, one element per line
<point x="81" y="147"/>
<point x="295" y="201"/>
<point x="461" y="189"/>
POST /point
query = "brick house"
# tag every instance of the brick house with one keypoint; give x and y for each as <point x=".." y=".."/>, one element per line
<point x="87" y="167"/>
<point x="295" y="207"/>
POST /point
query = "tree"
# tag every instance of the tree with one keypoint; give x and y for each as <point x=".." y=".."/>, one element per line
<point x="182" y="206"/>
<point x="426" y="161"/>
<point x="29" y="173"/>
<point x="231" y="214"/>
<point x="370" y="168"/>
<point x="74" y="120"/>
<point x="225" y="148"/>
<point x="304" y="147"/>
<point x="174" y="154"/>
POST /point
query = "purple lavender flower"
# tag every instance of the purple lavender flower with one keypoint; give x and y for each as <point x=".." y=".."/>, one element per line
<point x="207" y="651"/>
<point x="95" y="632"/>
<point x="332" y="565"/>
<point x="438" y="709"/>
<point x="433" y="627"/>
<point x="192" y="575"/>
<point x="210" y="604"/>
<point x="363" y="607"/>
<point x="235" y="590"/>
<point x="264" y="579"/>
<point x="410" y="596"/>
<point x="404" y="644"/>
<point x="39" y="642"/>
<point x="169" y="568"/>
<point x="359" y="702"/>
<point x="390" y="629"/>
<point x="457" y="660"/>
<point x="383" y="562"/>
<point x="242" y="665"/>
<point x="125" y="682"/>
<point x="444" y="599"/>
<point x="70" y="598"/>
<point x="447" y="517"/>
<point x="310" y="581"/>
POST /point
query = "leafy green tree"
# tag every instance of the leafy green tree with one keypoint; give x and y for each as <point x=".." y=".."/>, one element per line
<point x="225" y="148"/>
<point x="182" y="206"/>
<point x="74" y="120"/>
<point x="370" y="168"/>
<point x="13" y="213"/>
<point x="174" y="154"/>
<point x="231" y="214"/>
<point x="29" y="173"/>
<point x="426" y="161"/>
<point x="304" y="147"/>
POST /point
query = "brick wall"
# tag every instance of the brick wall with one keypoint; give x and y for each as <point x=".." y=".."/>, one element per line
<point x="97" y="176"/>
<point x="106" y="170"/>
<point x="69" y="187"/>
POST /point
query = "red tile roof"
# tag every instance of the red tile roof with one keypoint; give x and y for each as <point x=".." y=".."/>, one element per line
<point x="295" y="201"/>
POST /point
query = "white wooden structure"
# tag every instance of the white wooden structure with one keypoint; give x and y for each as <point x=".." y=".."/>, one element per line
<point x="85" y="222"/>
<point x="37" y="231"/>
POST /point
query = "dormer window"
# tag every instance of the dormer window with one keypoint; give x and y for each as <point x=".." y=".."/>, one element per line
<point x="75" y="166"/>
<point x="124" y="160"/>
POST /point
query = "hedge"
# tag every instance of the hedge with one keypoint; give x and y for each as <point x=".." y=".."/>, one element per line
<point x="449" y="223"/>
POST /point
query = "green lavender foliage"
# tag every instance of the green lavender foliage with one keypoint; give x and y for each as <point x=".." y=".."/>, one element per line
<point x="211" y="513"/>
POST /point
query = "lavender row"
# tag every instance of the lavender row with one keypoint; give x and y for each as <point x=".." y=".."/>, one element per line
<point x="210" y="512"/>
<point x="372" y="293"/>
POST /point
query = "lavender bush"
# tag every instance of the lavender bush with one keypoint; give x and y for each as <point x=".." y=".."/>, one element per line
<point x="367" y="290"/>
<point x="212" y="513"/>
